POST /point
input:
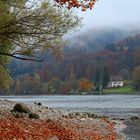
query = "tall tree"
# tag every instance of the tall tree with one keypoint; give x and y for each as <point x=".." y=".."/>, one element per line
<point x="97" y="77"/>
<point x="105" y="76"/>
<point x="136" y="78"/>
<point x="5" y="79"/>
<point x="72" y="75"/>
<point x="27" y="27"/>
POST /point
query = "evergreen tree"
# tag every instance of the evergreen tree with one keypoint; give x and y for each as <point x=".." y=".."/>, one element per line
<point x="97" y="76"/>
<point x="105" y="77"/>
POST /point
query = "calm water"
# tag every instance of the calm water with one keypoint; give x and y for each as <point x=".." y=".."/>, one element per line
<point x="111" y="105"/>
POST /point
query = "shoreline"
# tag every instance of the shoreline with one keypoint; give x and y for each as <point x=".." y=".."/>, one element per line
<point x="77" y="94"/>
<point x="82" y="126"/>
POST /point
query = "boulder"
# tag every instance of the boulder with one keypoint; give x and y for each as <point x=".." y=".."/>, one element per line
<point x="33" y="116"/>
<point x="134" y="118"/>
<point x="21" y="108"/>
<point x="19" y="115"/>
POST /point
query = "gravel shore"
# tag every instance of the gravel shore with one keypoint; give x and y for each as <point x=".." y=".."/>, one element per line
<point x="57" y="124"/>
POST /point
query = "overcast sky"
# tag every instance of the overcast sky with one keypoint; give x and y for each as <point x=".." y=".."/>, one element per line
<point x="112" y="13"/>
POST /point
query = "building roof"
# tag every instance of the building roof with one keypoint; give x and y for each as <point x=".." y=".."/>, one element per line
<point x="116" y="78"/>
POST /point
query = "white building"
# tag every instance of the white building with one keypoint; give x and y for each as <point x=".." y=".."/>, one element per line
<point x="116" y="81"/>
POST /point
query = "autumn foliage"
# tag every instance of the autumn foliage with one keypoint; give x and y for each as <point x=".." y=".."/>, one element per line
<point x="12" y="128"/>
<point x="85" y="84"/>
<point x="84" y="4"/>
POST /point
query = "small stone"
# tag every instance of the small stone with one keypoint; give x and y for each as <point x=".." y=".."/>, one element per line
<point x="93" y="115"/>
<point x="77" y="113"/>
<point x="39" y="104"/>
<point x="49" y="120"/>
<point x="89" y="115"/>
<point x="46" y="107"/>
<point x="122" y="119"/>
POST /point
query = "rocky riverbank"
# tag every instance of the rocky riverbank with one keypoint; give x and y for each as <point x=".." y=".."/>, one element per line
<point x="43" y="123"/>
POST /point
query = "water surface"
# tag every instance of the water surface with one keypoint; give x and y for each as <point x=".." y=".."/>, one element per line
<point x="111" y="105"/>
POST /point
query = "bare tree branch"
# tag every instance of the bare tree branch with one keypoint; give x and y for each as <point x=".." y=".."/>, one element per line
<point x="21" y="58"/>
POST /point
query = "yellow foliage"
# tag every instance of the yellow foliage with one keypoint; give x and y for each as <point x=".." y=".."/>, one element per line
<point x="85" y="84"/>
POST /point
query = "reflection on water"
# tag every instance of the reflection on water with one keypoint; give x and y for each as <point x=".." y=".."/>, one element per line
<point x="112" y="105"/>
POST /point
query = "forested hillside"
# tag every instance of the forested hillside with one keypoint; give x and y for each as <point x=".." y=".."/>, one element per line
<point x="92" y="59"/>
<point x="97" y="39"/>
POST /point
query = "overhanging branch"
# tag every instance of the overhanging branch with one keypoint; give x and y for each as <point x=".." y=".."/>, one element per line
<point x="21" y="58"/>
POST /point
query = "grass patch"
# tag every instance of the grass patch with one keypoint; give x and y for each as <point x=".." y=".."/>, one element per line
<point x="119" y="90"/>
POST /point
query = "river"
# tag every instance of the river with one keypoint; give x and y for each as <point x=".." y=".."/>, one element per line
<point x="110" y="105"/>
